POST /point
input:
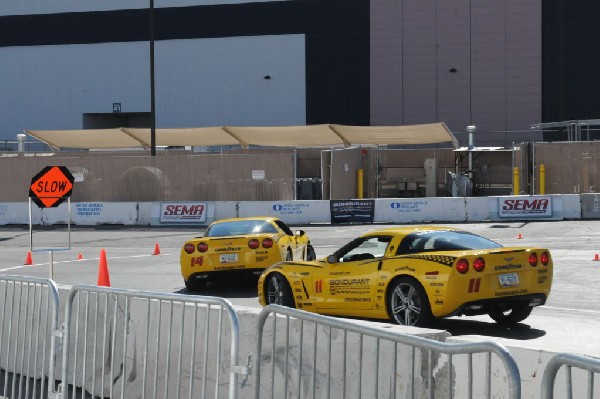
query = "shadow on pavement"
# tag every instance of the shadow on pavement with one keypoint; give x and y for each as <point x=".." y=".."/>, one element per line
<point x="227" y="289"/>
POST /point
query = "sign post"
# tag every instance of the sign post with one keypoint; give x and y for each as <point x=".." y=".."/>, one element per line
<point x="50" y="188"/>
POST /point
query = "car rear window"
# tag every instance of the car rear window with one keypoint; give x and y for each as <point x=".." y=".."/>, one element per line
<point x="445" y="240"/>
<point x="240" y="227"/>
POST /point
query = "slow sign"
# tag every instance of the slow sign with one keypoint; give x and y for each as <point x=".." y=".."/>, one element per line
<point x="51" y="186"/>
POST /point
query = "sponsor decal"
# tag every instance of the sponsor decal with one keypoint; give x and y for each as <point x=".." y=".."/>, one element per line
<point x="319" y="286"/>
<point x="474" y="284"/>
<point x="228" y="249"/>
<point x="542" y="271"/>
<point x="261" y="258"/>
<point x="380" y="291"/>
<point x="349" y="286"/>
<point x="510" y="293"/>
<point x="183" y="212"/>
<point x="439" y="302"/>
<point x="542" y="279"/>
<point x="405" y="268"/>
<point x="339" y="273"/>
<point x="297" y="289"/>
<point x="297" y="282"/>
<point x="508" y="267"/>
<point x="298" y="297"/>
<point x="262" y="252"/>
<point x="230" y="267"/>
<point x="537" y="206"/>
<point x="436" y="284"/>
<point x="357" y="299"/>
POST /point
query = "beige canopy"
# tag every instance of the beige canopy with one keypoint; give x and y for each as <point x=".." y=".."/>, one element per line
<point x="270" y="136"/>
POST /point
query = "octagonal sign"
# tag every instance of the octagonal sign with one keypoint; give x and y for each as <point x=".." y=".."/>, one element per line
<point x="51" y="186"/>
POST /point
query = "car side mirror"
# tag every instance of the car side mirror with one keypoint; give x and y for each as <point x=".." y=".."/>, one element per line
<point x="300" y="233"/>
<point x="332" y="259"/>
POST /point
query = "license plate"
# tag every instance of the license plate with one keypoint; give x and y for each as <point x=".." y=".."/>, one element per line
<point x="509" y="279"/>
<point x="229" y="258"/>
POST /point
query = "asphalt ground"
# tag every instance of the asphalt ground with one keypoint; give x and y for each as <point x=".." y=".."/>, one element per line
<point x="568" y="322"/>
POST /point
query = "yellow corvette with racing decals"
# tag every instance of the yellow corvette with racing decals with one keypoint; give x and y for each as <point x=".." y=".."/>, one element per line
<point x="240" y="247"/>
<point x="413" y="275"/>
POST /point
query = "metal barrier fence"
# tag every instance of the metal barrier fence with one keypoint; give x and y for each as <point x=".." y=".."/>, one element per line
<point x="126" y="343"/>
<point x="346" y="359"/>
<point x="28" y="320"/>
<point x="586" y="365"/>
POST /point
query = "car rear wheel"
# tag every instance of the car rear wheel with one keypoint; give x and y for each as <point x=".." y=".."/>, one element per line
<point x="279" y="291"/>
<point x="510" y="317"/>
<point x="195" y="285"/>
<point x="310" y="253"/>
<point x="408" y="304"/>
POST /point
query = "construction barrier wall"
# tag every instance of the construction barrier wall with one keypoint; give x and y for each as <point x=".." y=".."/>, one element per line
<point x="386" y="210"/>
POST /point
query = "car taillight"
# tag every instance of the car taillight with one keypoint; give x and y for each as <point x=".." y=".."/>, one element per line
<point x="533" y="259"/>
<point x="202" y="247"/>
<point x="267" y="243"/>
<point x="545" y="258"/>
<point x="253" y="243"/>
<point x="479" y="264"/>
<point x="189" y="248"/>
<point x="462" y="266"/>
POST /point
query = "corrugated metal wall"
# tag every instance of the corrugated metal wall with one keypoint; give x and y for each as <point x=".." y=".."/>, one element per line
<point x="458" y="61"/>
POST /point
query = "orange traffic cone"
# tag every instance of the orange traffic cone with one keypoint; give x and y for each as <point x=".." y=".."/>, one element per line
<point x="519" y="237"/>
<point x="103" y="277"/>
<point x="156" y="250"/>
<point x="79" y="256"/>
<point x="596" y="257"/>
<point x="28" y="259"/>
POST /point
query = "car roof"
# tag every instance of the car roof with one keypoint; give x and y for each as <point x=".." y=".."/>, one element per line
<point x="269" y="219"/>
<point x="405" y="230"/>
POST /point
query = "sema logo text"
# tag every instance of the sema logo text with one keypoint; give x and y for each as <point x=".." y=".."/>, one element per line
<point x="183" y="212"/>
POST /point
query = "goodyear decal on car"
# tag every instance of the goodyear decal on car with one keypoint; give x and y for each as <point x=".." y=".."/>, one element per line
<point x="443" y="259"/>
<point x="349" y="286"/>
<point x="228" y="249"/>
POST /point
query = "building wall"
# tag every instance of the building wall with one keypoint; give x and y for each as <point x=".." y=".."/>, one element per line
<point x="460" y="62"/>
<point x="211" y="62"/>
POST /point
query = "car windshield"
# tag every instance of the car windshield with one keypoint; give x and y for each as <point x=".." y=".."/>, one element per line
<point x="444" y="240"/>
<point x="240" y="227"/>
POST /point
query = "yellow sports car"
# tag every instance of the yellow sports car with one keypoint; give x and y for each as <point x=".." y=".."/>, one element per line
<point x="240" y="247"/>
<point x="413" y="275"/>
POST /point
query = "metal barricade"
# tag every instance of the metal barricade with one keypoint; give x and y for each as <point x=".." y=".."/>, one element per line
<point x="588" y="367"/>
<point x="28" y="322"/>
<point x="315" y="356"/>
<point x="126" y="343"/>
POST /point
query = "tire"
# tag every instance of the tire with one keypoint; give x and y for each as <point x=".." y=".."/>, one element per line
<point x="195" y="285"/>
<point x="408" y="304"/>
<point x="310" y="253"/>
<point x="510" y="317"/>
<point x="289" y="257"/>
<point x="278" y="291"/>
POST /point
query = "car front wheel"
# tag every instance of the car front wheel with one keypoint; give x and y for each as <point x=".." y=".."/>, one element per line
<point x="510" y="317"/>
<point x="408" y="304"/>
<point x="279" y="291"/>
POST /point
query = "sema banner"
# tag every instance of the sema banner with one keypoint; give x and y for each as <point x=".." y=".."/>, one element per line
<point x="183" y="212"/>
<point x="515" y="207"/>
<point x="352" y="211"/>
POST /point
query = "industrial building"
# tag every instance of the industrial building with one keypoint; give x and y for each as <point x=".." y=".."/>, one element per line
<point x="500" y="65"/>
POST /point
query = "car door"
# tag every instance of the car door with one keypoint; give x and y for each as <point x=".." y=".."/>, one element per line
<point x="350" y="282"/>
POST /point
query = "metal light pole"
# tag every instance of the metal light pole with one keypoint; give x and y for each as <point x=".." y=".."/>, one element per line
<point x="471" y="130"/>
<point x="152" y="100"/>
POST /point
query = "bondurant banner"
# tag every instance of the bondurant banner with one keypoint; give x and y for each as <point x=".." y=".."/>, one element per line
<point x="352" y="211"/>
